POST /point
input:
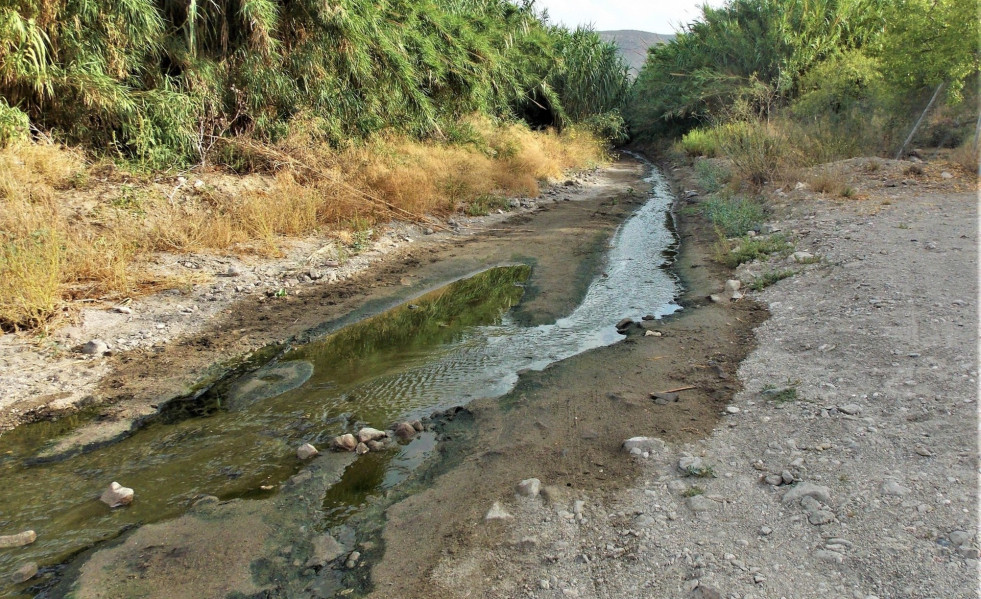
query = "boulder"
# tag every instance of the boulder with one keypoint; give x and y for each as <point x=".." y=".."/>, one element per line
<point x="361" y="449"/>
<point x="530" y="487"/>
<point x="18" y="540"/>
<point x="626" y="322"/>
<point x="376" y="445"/>
<point x="345" y="442"/>
<point x="117" y="495"/>
<point x="405" y="431"/>
<point x="371" y="434"/>
<point x="306" y="451"/>
<point x="416" y="424"/>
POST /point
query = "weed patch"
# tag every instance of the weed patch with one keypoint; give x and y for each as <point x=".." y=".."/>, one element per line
<point x="734" y="215"/>
<point x="765" y="280"/>
<point x="752" y="248"/>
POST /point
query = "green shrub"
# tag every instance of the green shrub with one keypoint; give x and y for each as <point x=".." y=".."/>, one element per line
<point x="711" y="176"/>
<point x="14" y="124"/>
<point x="753" y="248"/>
<point x="700" y="142"/>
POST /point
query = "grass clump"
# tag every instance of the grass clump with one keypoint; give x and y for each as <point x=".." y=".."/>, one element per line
<point x="485" y="204"/>
<point x="779" y="394"/>
<point x="734" y="215"/>
<point x="700" y="142"/>
<point x="692" y="491"/>
<point x="752" y="248"/>
<point x="765" y="280"/>
<point x="711" y="176"/>
<point x="704" y="471"/>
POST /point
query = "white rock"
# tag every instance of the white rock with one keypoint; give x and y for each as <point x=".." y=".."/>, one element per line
<point x="946" y="175"/>
<point x="689" y="463"/>
<point x="652" y="333"/>
<point x="117" y="495"/>
<point x="850" y="409"/>
<point x="345" y="442"/>
<point x="802" y="256"/>
<point x="496" y="512"/>
<point x="732" y="409"/>
<point x="371" y="434"/>
<point x="642" y="444"/>
<point x="18" y="540"/>
<point x="306" y="451"/>
<point x="530" y="487"/>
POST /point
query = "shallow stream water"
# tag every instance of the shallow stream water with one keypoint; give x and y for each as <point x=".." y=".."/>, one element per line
<point x="440" y="350"/>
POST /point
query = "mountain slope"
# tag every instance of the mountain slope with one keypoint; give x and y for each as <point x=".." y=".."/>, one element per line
<point x="634" y="44"/>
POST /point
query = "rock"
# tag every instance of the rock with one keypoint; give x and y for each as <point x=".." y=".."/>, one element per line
<point x="652" y="333"/>
<point x="376" y="445"/>
<point x="648" y="444"/>
<point x="345" y="442"/>
<point x="578" y="506"/>
<point x="352" y="560"/>
<point x="946" y="175"/>
<point x="306" y="451"/>
<point x="787" y="477"/>
<point x="405" y="431"/>
<point x="894" y="489"/>
<point x="773" y="479"/>
<point x="96" y="347"/>
<point x="371" y="434"/>
<point x="851" y="409"/>
<point x="701" y="503"/>
<point x="801" y="186"/>
<point x="117" y="495"/>
<point x="123" y="310"/>
<point x="690" y="463"/>
<point x="663" y="399"/>
<point x="829" y="556"/>
<point x="819" y="517"/>
<point x="648" y="317"/>
<point x="957" y="537"/>
<point x="706" y="592"/>
<point x="801" y="490"/>
<point x="766" y="531"/>
<point x="544" y="584"/>
<point x="732" y="410"/>
<point x="626" y="322"/>
<point x="417" y="425"/>
<point x="24" y="573"/>
<point x="361" y="448"/>
<point x="325" y="550"/>
<point x="18" y="540"/>
<point x="496" y="512"/>
<point x="802" y="256"/>
<point x="729" y="293"/>
<point x="530" y="487"/>
<point x="233" y="271"/>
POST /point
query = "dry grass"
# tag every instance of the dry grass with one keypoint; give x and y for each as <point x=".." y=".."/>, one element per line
<point x="66" y="234"/>
<point x="966" y="156"/>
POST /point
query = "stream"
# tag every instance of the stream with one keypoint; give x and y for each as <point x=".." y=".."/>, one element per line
<point x="238" y="439"/>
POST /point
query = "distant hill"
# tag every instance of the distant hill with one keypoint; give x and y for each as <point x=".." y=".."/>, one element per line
<point x="634" y="44"/>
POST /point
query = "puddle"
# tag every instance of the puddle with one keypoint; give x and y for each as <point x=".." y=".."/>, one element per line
<point x="237" y="440"/>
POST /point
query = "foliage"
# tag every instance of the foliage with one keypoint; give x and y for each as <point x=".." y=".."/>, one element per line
<point x="769" y="278"/>
<point x="700" y="142"/>
<point x="734" y="215"/>
<point x="752" y="248"/>
<point x="162" y="81"/>
<point x="712" y="176"/>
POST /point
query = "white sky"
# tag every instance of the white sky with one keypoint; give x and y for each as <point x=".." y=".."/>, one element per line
<point x="656" y="16"/>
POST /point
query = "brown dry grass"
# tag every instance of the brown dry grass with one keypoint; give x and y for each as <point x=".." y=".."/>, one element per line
<point x="66" y="234"/>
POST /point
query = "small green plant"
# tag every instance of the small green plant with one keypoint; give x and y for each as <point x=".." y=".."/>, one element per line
<point x="849" y="192"/>
<point x="765" y="280"/>
<point x="780" y="394"/>
<point x="281" y="292"/>
<point x="734" y="215"/>
<point x="693" y="491"/>
<point x="752" y="248"/>
<point x="700" y="471"/>
<point x="130" y="200"/>
<point x="712" y="177"/>
<point x="485" y="204"/>
<point x="903" y="226"/>
<point x="700" y="142"/>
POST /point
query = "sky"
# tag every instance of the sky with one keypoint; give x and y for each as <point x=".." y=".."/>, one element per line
<point x="656" y="16"/>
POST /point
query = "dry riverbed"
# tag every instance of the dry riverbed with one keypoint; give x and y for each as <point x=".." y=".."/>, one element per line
<point x="828" y="451"/>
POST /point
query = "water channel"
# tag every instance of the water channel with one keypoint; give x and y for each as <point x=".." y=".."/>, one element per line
<point x="238" y="440"/>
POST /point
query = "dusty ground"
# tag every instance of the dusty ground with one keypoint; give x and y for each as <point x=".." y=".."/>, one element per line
<point x="868" y="439"/>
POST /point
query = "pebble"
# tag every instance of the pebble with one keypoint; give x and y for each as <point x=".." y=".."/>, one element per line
<point x="700" y="503"/>
<point x="851" y="409"/>
<point x="642" y="444"/>
<point x="530" y="487"/>
<point x="689" y="463"/>
<point x="18" y="540"/>
<point x="732" y="410"/>
<point x="361" y="449"/>
<point x="766" y="531"/>
<point x="233" y="271"/>
<point x="829" y="556"/>
<point x="946" y="175"/>
<point x="117" y="495"/>
<point x="345" y="442"/>
<point x="306" y="451"/>
<point x="352" y="560"/>
<point x="123" y="310"/>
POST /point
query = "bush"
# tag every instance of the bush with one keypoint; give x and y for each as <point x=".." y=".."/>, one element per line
<point x="700" y="142"/>
<point x="758" y="151"/>
<point x="734" y="216"/>
<point x="14" y="124"/>
<point x="711" y="176"/>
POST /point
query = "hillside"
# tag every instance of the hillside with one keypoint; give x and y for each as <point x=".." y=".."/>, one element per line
<point x="634" y="44"/>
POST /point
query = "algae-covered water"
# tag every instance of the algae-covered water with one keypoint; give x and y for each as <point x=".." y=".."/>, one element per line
<point x="440" y="350"/>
